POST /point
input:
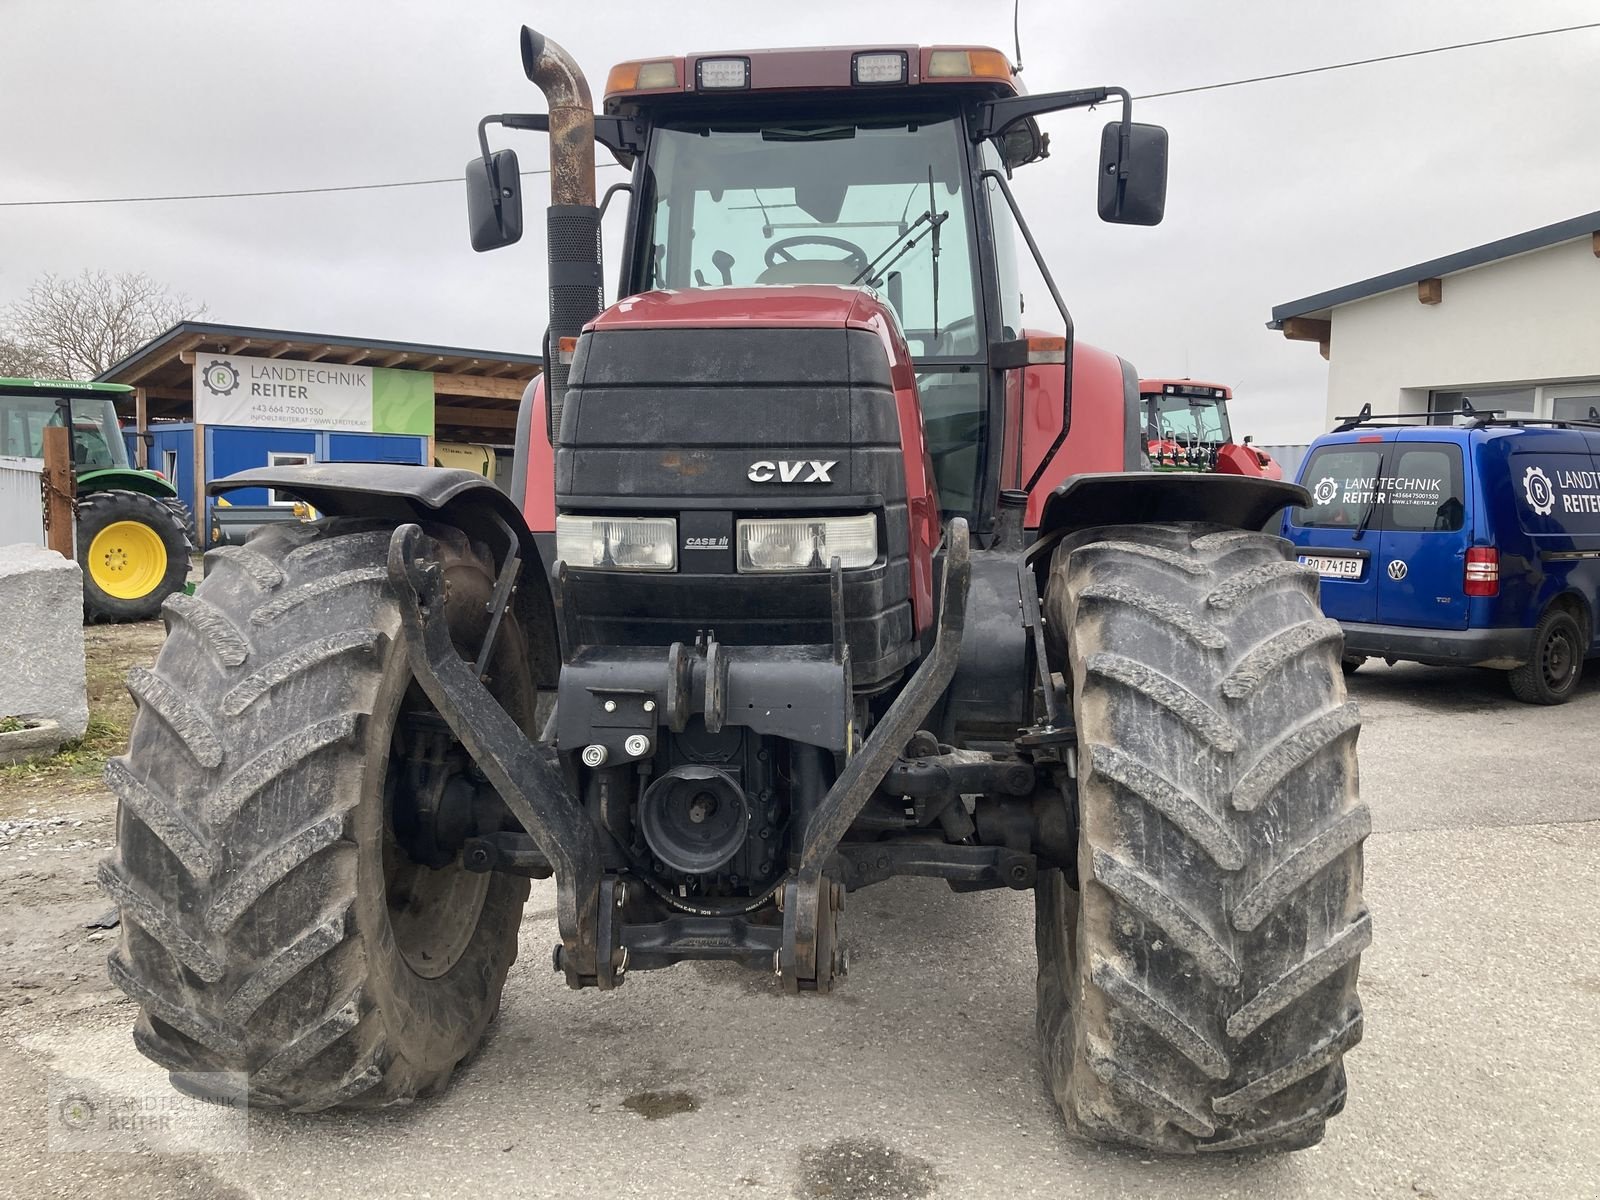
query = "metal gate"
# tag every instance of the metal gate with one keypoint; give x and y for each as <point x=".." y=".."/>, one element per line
<point x="21" y="501"/>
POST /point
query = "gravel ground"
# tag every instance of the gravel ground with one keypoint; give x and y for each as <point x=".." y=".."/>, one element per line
<point x="1479" y="1075"/>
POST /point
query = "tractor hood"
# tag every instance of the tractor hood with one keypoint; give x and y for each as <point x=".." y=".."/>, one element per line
<point x="812" y="306"/>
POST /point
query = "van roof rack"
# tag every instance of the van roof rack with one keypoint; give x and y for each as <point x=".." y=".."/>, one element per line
<point x="1367" y="417"/>
<point x="1480" y="418"/>
<point x="1590" y="422"/>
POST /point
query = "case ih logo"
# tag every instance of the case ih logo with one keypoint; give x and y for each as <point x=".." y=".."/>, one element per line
<point x="705" y="543"/>
<point x="784" y="471"/>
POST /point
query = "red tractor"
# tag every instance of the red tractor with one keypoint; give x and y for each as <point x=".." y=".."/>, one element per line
<point x="1187" y="429"/>
<point x="821" y="570"/>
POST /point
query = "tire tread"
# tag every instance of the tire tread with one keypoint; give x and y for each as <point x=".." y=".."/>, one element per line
<point x="1204" y="995"/>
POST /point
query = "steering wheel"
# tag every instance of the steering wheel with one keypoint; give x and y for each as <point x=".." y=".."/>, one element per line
<point x="778" y="252"/>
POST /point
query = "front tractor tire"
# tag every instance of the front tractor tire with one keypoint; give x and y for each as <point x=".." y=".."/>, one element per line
<point x="1197" y="992"/>
<point x="272" y="925"/>
<point x="134" y="551"/>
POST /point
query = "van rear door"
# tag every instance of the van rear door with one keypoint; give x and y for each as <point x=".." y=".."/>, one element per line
<point x="1337" y="533"/>
<point x="1423" y="547"/>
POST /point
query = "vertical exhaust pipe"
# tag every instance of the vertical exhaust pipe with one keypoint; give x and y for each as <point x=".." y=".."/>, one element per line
<point x="573" y="222"/>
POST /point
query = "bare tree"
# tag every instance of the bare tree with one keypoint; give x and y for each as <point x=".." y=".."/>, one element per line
<point x="22" y="362"/>
<point x="76" y="328"/>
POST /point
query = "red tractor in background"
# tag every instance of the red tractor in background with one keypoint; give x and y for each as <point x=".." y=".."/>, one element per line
<point x="1187" y="429"/>
<point x="821" y="569"/>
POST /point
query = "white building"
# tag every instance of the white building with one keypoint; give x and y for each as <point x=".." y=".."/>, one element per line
<point x="1512" y="325"/>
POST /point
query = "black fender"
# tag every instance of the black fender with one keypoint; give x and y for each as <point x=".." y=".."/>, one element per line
<point x="400" y="494"/>
<point x="1155" y="498"/>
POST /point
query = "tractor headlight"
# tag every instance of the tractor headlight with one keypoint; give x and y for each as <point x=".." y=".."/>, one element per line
<point x="807" y="543"/>
<point x="626" y="543"/>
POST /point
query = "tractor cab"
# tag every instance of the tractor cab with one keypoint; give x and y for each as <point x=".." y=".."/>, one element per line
<point x="878" y="169"/>
<point x="1186" y="428"/>
<point x="29" y="406"/>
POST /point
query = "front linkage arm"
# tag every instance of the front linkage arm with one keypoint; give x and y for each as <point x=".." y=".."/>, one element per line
<point x="525" y="774"/>
<point x="810" y="956"/>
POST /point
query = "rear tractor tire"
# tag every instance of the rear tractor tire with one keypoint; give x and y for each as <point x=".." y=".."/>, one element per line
<point x="272" y="925"/>
<point x="134" y="551"/>
<point x="1198" y="991"/>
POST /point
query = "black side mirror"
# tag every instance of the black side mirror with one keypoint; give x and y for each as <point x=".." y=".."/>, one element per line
<point x="1133" y="173"/>
<point x="494" y="201"/>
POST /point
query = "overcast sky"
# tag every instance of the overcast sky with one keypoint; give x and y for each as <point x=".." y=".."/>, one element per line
<point x="1278" y="190"/>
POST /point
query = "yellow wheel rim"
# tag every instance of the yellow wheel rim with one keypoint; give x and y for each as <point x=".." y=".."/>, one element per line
<point x="127" y="560"/>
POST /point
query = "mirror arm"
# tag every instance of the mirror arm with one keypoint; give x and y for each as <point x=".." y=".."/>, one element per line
<point x="997" y="116"/>
<point x="1125" y="133"/>
<point x="620" y="135"/>
<point x="1061" y="307"/>
<point x="539" y="122"/>
<point x="617" y="134"/>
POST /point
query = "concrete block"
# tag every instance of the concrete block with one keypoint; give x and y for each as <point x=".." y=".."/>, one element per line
<point x="40" y="739"/>
<point x="41" y="638"/>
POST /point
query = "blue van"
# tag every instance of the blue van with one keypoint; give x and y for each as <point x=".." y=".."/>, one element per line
<point x="1475" y="544"/>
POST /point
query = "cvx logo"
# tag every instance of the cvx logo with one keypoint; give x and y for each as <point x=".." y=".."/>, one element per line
<point x="783" y="471"/>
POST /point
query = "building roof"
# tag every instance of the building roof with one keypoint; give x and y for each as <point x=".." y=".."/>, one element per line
<point x="1320" y="305"/>
<point x="477" y="391"/>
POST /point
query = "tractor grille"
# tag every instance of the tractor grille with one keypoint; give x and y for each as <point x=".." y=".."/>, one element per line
<point x="671" y="421"/>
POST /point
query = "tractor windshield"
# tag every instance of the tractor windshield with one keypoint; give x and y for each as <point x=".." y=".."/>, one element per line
<point x="1188" y="419"/>
<point x="880" y="204"/>
<point x="96" y="440"/>
<point x="825" y="203"/>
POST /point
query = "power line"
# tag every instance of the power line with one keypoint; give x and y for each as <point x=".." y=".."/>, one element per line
<point x="311" y="191"/>
<point x="348" y="187"/>
<point x="1364" y="62"/>
<point x="413" y="183"/>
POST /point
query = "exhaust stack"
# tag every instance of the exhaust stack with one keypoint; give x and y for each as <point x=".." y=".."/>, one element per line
<point x="573" y="222"/>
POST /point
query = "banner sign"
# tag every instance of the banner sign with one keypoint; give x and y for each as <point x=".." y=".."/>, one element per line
<point x="281" y="393"/>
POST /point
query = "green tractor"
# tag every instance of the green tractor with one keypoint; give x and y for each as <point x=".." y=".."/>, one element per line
<point x="134" y="534"/>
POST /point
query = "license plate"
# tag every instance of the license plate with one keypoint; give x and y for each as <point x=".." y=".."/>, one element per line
<point x="1333" y="566"/>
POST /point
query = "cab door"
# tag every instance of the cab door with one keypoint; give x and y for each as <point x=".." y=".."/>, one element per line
<point x="1422" y="554"/>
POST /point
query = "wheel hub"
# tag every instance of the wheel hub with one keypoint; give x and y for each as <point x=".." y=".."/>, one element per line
<point x="127" y="560"/>
<point x="1558" y="659"/>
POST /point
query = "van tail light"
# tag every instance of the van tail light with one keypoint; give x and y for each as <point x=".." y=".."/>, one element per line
<point x="1483" y="571"/>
